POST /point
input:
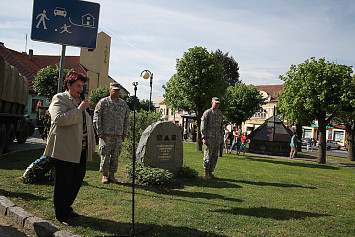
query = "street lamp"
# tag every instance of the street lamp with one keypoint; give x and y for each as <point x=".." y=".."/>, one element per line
<point x="148" y="74"/>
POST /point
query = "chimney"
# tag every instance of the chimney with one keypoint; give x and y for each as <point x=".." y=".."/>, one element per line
<point x="30" y="54"/>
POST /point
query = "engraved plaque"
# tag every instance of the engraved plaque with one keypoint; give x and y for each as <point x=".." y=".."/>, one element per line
<point x="165" y="152"/>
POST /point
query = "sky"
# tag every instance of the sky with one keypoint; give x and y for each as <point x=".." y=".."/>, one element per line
<point x="265" y="37"/>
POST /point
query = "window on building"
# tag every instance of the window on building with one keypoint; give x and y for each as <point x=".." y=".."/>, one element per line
<point x="339" y="136"/>
<point x="260" y="114"/>
<point x="307" y="133"/>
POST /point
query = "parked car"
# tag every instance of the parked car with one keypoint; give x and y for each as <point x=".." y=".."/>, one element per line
<point x="332" y="145"/>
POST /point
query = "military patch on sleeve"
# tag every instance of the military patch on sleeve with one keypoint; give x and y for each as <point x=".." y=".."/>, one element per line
<point x="98" y="106"/>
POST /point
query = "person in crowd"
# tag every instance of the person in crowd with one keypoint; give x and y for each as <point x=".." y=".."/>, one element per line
<point x="212" y="137"/>
<point x="111" y="121"/>
<point x="243" y="145"/>
<point x="293" y="144"/>
<point x="185" y="133"/>
<point x="226" y="137"/>
<point x="70" y="144"/>
<point x="239" y="139"/>
<point x="234" y="135"/>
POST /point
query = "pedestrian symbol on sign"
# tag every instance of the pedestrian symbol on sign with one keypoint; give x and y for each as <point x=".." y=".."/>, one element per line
<point x="42" y="17"/>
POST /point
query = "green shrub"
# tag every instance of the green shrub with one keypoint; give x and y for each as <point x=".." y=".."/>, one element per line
<point x="187" y="172"/>
<point x="97" y="94"/>
<point x="39" y="171"/>
<point x="143" y="120"/>
<point x="151" y="176"/>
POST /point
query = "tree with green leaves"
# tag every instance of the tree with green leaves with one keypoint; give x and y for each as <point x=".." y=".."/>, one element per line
<point x="199" y="77"/>
<point x="230" y="66"/>
<point x="103" y="91"/>
<point x="46" y="81"/>
<point x="241" y="102"/>
<point x="316" y="90"/>
<point x="97" y="94"/>
<point x="347" y="119"/>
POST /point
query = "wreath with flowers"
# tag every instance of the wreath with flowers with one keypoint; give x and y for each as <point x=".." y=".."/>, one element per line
<point x="39" y="171"/>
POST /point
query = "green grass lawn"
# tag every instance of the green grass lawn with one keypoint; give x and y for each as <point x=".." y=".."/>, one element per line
<point x="253" y="197"/>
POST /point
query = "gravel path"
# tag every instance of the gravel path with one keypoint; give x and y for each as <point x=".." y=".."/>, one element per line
<point x="33" y="142"/>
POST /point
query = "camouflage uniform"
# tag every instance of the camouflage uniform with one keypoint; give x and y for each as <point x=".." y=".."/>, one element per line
<point x="212" y="132"/>
<point x="111" y="119"/>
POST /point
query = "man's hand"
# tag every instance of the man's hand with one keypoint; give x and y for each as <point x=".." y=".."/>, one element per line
<point x="204" y="141"/>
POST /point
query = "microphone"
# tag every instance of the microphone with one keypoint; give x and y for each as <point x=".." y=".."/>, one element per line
<point x="82" y="97"/>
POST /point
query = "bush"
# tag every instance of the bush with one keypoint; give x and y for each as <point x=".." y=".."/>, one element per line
<point x="97" y="94"/>
<point x="187" y="172"/>
<point x="143" y="120"/>
<point x="151" y="176"/>
<point x="38" y="171"/>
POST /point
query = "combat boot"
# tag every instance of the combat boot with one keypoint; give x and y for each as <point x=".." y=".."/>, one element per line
<point x="112" y="178"/>
<point x="207" y="175"/>
<point x="105" y="178"/>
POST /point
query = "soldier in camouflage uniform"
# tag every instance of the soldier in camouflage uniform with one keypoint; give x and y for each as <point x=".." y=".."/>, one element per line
<point x="212" y="137"/>
<point x="111" y="121"/>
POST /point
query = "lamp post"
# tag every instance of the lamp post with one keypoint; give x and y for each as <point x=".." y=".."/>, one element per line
<point x="148" y="74"/>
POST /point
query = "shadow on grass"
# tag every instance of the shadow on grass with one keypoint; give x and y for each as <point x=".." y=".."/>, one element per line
<point x="281" y="162"/>
<point x="269" y="184"/>
<point x="104" y="227"/>
<point x="174" y="192"/>
<point x="19" y="160"/>
<point x="24" y="196"/>
<point x="204" y="195"/>
<point x="274" y="213"/>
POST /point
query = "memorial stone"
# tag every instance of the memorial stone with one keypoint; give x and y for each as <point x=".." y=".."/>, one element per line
<point x="161" y="146"/>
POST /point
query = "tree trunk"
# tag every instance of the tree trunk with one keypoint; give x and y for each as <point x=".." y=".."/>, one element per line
<point x="350" y="131"/>
<point x="299" y="134"/>
<point x="198" y="135"/>
<point x="322" y="142"/>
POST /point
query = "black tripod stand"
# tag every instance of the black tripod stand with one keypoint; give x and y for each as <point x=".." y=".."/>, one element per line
<point x="133" y="232"/>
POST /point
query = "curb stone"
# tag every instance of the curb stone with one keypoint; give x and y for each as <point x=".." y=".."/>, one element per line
<point x="25" y="220"/>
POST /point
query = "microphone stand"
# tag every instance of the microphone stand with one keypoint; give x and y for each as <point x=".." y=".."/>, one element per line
<point x="133" y="232"/>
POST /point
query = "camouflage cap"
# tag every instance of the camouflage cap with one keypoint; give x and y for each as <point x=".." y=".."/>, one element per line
<point x="216" y="100"/>
<point x="115" y="85"/>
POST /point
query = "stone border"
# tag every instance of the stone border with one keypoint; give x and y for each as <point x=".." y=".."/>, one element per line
<point x="31" y="224"/>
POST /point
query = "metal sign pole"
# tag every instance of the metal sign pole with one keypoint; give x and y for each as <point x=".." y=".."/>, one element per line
<point x="61" y="69"/>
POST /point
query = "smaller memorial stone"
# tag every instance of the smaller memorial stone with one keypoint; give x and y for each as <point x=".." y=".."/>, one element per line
<point x="161" y="146"/>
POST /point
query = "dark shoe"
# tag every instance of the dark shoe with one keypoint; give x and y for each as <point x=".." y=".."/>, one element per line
<point x="112" y="179"/>
<point x="74" y="214"/>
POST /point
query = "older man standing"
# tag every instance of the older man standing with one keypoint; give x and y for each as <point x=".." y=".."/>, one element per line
<point x="111" y="120"/>
<point x="212" y="137"/>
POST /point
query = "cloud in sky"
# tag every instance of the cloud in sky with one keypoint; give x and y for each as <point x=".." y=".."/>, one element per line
<point x="264" y="37"/>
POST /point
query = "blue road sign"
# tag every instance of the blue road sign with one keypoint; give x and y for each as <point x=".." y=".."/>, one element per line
<point x="66" y="22"/>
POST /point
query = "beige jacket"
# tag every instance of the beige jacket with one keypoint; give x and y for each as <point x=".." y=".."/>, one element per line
<point x="64" y="140"/>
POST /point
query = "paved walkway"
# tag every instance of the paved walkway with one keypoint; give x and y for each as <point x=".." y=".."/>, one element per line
<point x="33" y="142"/>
